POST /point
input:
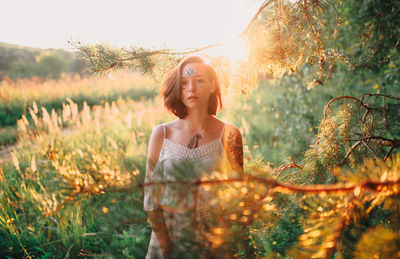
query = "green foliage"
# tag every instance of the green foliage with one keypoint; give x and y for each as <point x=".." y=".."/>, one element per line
<point x="51" y="65"/>
<point x="17" y="96"/>
<point x="285" y="233"/>
<point x="46" y="65"/>
<point x="61" y="197"/>
<point x="8" y="135"/>
<point x="24" y="62"/>
<point x="380" y="241"/>
<point x="10" y="53"/>
<point x="283" y="116"/>
<point x="376" y="27"/>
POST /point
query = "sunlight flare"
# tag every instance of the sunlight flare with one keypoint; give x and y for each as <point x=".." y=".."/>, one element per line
<point x="233" y="48"/>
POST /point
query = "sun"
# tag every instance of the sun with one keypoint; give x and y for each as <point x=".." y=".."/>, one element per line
<point x="233" y="46"/>
<point x="233" y="49"/>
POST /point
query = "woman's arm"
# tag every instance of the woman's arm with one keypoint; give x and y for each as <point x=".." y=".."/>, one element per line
<point x="156" y="216"/>
<point x="232" y="140"/>
<point x="160" y="229"/>
<point x="234" y="146"/>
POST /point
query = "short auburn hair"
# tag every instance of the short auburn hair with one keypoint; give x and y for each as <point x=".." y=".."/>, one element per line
<point x="172" y="88"/>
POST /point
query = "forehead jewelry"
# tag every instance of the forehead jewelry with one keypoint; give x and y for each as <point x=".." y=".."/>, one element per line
<point x="189" y="72"/>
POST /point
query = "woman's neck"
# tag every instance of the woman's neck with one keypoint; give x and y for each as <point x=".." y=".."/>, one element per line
<point x="197" y="120"/>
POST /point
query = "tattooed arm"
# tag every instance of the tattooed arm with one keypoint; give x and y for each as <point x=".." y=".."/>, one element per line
<point x="234" y="148"/>
<point x="156" y="217"/>
<point x="232" y="140"/>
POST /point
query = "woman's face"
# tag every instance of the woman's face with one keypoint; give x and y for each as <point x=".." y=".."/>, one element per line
<point x="196" y="86"/>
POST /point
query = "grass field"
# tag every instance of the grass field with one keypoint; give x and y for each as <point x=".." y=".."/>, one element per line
<point x="68" y="183"/>
<point x="17" y="96"/>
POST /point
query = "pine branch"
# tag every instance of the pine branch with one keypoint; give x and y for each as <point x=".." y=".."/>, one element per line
<point x="141" y="55"/>
<point x="282" y="168"/>
<point x="328" y="108"/>
<point x="263" y="6"/>
<point x="271" y="185"/>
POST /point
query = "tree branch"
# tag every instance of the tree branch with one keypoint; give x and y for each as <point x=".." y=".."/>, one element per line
<point x="263" y="6"/>
<point x="287" y="166"/>
<point x="147" y="54"/>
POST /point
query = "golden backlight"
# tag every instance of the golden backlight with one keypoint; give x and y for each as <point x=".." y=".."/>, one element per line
<point x="233" y="48"/>
<point x="175" y="24"/>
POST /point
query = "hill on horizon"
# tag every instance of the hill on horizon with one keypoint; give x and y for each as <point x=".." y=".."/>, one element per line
<point x="17" y="61"/>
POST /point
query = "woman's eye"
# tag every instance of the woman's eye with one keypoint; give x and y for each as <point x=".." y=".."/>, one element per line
<point x="201" y="81"/>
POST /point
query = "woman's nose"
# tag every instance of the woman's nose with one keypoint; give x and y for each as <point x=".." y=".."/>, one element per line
<point x="190" y="85"/>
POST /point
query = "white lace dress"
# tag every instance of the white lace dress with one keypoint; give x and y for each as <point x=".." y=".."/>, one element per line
<point x="185" y="204"/>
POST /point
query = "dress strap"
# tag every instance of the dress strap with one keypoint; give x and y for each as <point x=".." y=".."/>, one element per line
<point x="165" y="134"/>
<point x="163" y="144"/>
<point x="222" y="132"/>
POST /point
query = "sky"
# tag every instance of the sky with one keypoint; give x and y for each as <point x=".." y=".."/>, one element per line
<point x="176" y="24"/>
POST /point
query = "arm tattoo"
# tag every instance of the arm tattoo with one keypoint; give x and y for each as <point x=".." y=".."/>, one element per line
<point x="194" y="141"/>
<point x="235" y="149"/>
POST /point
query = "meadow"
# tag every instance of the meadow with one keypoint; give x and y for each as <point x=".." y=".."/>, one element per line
<point x="59" y="173"/>
<point x="17" y="95"/>
<point x="72" y="185"/>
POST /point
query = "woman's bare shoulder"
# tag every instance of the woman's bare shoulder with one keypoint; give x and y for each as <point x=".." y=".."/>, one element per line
<point x="158" y="132"/>
<point x="219" y="123"/>
<point x="154" y="148"/>
<point x="173" y="123"/>
<point x="231" y="129"/>
<point x="156" y="141"/>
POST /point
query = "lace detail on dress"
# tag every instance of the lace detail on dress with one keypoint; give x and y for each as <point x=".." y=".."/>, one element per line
<point x="177" y="151"/>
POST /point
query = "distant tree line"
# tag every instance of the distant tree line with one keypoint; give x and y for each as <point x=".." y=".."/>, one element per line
<point x="25" y="62"/>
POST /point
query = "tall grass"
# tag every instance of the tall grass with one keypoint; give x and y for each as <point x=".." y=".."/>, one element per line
<point x="17" y="96"/>
<point x="29" y="90"/>
<point x="64" y="192"/>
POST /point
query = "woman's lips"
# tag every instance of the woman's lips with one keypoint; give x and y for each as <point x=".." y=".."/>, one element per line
<point x="192" y="98"/>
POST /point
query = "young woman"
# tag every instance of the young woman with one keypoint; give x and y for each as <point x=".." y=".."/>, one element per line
<point x="184" y="152"/>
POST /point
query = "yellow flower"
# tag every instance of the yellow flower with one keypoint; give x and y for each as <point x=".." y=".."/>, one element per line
<point x="376" y="87"/>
